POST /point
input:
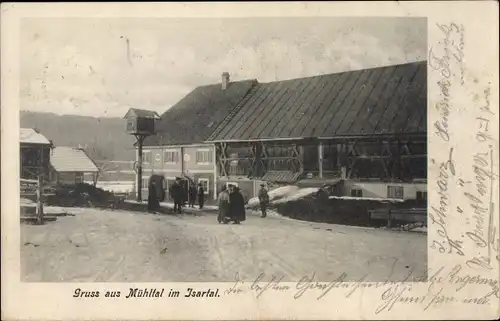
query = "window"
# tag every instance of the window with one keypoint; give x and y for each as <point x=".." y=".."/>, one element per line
<point x="355" y="192"/>
<point x="421" y="196"/>
<point x="146" y="156"/>
<point x="79" y="178"/>
<point x="203" y="156"/>
<point x="205" y="183"/>
<point x="145" y="183"/>
<point x="171" y="156"/>
<point x="395" y="192"/>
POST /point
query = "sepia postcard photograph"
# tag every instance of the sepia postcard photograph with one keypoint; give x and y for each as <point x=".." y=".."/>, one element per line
<point x="287" y="160"/>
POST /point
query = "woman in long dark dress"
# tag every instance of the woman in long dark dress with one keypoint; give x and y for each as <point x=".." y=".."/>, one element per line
<point x="153" y="202"/>
<point x="237" y="205"/>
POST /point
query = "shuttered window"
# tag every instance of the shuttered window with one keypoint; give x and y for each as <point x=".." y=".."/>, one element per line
<point x="203" y="156"/>
<point x="395" y="192"/>
<point x="171" y="156"/>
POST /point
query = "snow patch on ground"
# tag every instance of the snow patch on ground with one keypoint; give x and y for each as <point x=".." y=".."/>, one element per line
<point x="301" y="193"/>
<point x="284" y="194"/>
<point x="115" y="186"/>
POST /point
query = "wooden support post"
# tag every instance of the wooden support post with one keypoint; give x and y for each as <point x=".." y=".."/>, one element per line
<point x="138" y="184"/>
<point x="39" y="204"/>
<point x="320" y="160"/>
<point x="214" y="160"/>
<point x="389" y="219"/>
<point x="301" y="159"/>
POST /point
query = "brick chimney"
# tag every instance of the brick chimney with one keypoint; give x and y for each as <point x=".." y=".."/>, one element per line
<point x="225" y="80"/>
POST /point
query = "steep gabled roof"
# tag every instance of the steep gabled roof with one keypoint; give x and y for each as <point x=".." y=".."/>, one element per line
<point x="382" y="100"/>
<point x="195" y="116"/>
<point x="68" y="159"/>
<point x="31" y="136"/>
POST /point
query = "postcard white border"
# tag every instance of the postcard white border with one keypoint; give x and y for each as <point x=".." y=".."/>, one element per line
<point x="54" y="301"/>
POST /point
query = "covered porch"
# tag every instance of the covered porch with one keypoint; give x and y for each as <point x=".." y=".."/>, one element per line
<point x="382" y="157"/>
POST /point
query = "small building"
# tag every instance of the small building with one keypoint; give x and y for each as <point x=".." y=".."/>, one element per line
<point x="178" y="149"/>
<point x="34" y="154"/>
<point x="69" y="165"/>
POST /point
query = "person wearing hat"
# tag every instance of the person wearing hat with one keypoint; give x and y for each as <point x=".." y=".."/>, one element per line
<point x="201" y="195"/>
<point x="263" y="200"/>
<point x="176" y="194"/>
<point x="223" y="202"/>
<point x="236" y="205"/>
<point x="192" y="195"/>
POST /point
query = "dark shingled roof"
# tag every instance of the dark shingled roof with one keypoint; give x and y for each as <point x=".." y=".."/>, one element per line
<point x="196" y="116"/>
<point x="385" y="100"/>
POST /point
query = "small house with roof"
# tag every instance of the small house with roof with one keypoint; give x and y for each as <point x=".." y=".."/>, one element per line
<point x="34" y="154"/>
<point x="178" y="148"/>
<point x="70" y="165"/>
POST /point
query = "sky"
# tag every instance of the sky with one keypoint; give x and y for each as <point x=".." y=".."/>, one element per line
<point x="104" y="66"/>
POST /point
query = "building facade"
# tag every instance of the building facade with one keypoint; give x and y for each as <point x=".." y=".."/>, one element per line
<point x="178" y="148"/>
<point x="366" y="127"/>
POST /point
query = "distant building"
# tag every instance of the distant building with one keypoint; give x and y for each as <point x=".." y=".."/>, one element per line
<point x="178" y="148"/>
<point x="34" y="154"/>
<point x="69" y="165"/>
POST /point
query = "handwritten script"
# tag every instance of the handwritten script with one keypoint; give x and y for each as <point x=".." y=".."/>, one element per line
<point x="435" y="288"/>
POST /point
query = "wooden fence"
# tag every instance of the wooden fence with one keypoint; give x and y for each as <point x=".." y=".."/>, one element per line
<point x="35" y="188"/>
<point x="403" y="215"/>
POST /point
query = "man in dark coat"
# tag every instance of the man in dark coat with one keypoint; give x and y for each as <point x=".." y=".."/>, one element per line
<point x="263" y="200"/>
<point x="237" y="205"/>
<point x="201" y="195"/>
<point x="192" y="195"/>
<point x="153" y="202"/>
<point x="176" y="194"/>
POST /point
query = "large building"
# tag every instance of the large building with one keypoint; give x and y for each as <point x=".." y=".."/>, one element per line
<point x="178" y="148"/>
<point x="368" y="127"/>
<point x="365" y="128"/>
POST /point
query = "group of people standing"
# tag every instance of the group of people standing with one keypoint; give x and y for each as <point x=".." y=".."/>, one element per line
<point x="230" y="200"/>
<point x="178" y="195"/>
<point x="232" y="204"/>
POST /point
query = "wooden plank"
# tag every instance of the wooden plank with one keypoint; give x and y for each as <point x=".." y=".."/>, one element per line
<point x="286" y="123"/>
<point x="336" y="108"/>
<point x="372" y="101"/>
<point x="34" y="219"/>
<point x="357" y="105"/>
<point x="419" y="105"/>
<point x="384" y="99"/>
<point x="237" y="121"/>
<point x="275" y="106"/>
<point x="391" y="111"/>
<point x="422" y="124"/>
<point x="294" y="93"/>
<point x="408" y="106"/>
<point x="347" y="103"/>
<point x="326" y="107"/>
<point x="309" y="106"/>
<point x="260" y="112"/>
<point x="320" y="160"/>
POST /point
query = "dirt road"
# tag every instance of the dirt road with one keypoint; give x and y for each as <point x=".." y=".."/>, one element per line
<point x="117" y="246"/>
